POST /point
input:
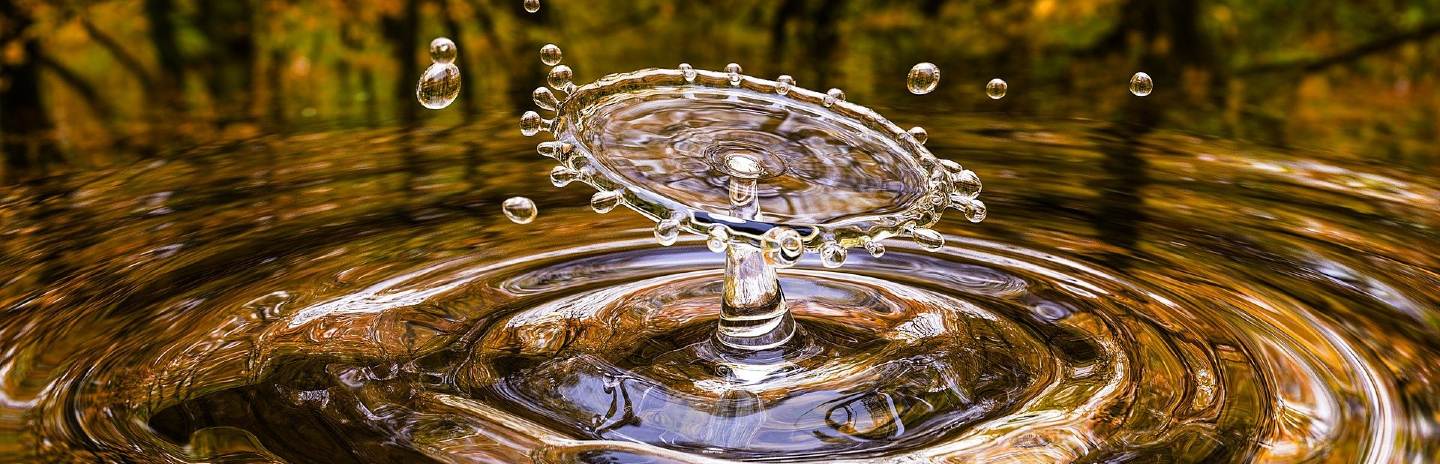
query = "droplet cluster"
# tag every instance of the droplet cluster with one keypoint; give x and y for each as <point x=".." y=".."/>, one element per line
<point x="440" y="83"/>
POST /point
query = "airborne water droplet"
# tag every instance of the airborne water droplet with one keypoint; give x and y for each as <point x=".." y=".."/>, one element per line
<point x="1141" y="84"/>
<point x="606" y="200"/>
<point x="832" y="96"/>
<point x="832" y="255"/>
<point x="923" y="78"/>
<point x="783" y="84"/>
<point x="545" y="99"/>
<point x="688" y="72"/>
<point x="559" y="77"/>
<point x="530" y="123"/>
<point x="438" y="86"/>
<point x="919" y="134"/>
<point x="550" y="55"/>
<point x="927" y="238"/>
<point x="520" y="210"/>
<point x="442" y="50"/>
<point x="996" y="88"/>
<point x="875" y="248"/>
<point x="733" y="69"/>
<point x="532" y="5"/>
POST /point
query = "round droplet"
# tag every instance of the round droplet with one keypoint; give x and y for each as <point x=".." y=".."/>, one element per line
<point x="606" y="200"/>
<point x="561" y="176"/>
<point x="832" y="255"/>
<point x="919" y="134"/>
<point x="442" y="50"/>
<point x="996" y="89"/>
<point x="530" y="123"/>
<point x="923" y="78"/>
<point x="688" y="72"/>
<point x="782" y="246"/>
<point x="532" y="5"/>
<point x="783" y="84"/>
<point x="545" y="99"/>
<point x="550" y="55"/>
<point x="832" y="96"/>
<point x="733" y="69"/>
<point x="719" y="238"/>
<point x="520" y="210"/>
<point x="875" y="248"/>
<point x="966" y="183"/>
<point x="559" y="77"/>
<point x="976" y="212"/>
<point x="927" y="238"/>
<point x="667" y="231"/>
<point x="1141" y="84"/>
<point x="438" y="86"/>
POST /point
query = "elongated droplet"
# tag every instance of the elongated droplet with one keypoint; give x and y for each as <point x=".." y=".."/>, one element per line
<point x="688" y="72"/>
<point x="832" y="255"/>
<point x="1141" y="84"/>
<point x="438" y="86"/>
<point x="832" y="96"/>
<point x="530" y="123"/>
<point x="561" y="176"/>
<point x="996" y="89"/>
<point x="783" y="84"/>
<point x="606" y="200"/>
<point x="719" y="238"/>
<point x="966" y="183"/>
<point x="559" y="77"/>
<point x="782" y="246"/>
<point x="919" y="134"/>
<point x="927" y="238"/>
<point x="442" y="50"/>
<point x="923" y="78"/>
<point x="667" y="231"/>
<point x="532" y="5"/>
<point x="550" y="55"/>
<point x="555" y="150"/>
<point x="875" y="248"/>
<point x="733" y="69"/>
<point x="520" y="210"/>
<point x="976" y="212"/>
<point x="545" y="99"/>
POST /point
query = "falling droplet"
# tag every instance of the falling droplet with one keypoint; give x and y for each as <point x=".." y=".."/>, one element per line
<point x="530" y="123"/>
<point x="719" y="238"/>
<point x="438" y="86"/>
<point x="605" y="200"/>
<point x="1141" y="84"/>
<point x="923" y="78"/>
<point x="550" y="55"/>
<point x="545" y="99"/>
<point x="834" y="95"/>
<point x="561" y="176"/>
<point x="442" y="50"/>
<point x="688" y="72"/>
<point x="667" y="231"/>
<point x="520" y="210"/>
<point x="832" y="255"/>
<point x="966" y="183"/>
<point x="559" y="77"/>
<point x="875" y="248"/>
<point x="532" y="5"/>
<point x="783" y="84"/>
<point x="783" y="246"/>
<point x="976" y="212"/>
<point x="733" y="69"/>
<point x="927" y="238"/>
<point x="919" y="134"/>
<point x="555" y="150"/>
<point x="996" y="89"/>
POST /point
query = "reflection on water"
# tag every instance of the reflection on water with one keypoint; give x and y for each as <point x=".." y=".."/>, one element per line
<point x="358" y="296"/>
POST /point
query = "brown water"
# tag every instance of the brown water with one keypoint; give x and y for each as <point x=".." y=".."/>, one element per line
<point x="356" y="296"/>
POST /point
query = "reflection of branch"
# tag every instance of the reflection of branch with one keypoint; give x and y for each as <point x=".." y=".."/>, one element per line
<point x="1424" y="32"/>
<point x="125" y="58"/>
<point x="103" y="112"/>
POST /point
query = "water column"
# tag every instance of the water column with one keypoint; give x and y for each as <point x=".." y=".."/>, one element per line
<point x="753" y="315"/>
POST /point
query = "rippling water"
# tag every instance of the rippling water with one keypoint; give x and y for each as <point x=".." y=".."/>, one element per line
<point x="357" y="296"/>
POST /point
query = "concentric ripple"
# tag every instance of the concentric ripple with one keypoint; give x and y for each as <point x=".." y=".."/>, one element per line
<point x="359" y="297"/>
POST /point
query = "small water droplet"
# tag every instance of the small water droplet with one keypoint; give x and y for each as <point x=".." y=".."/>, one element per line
<point x="438" y="86"/>
<point x="559" y="77"/>
<point x="733" y="69"/>
<point x="966" y="182"/>
<point x="976" y="212"/>
<point x="923" y="78"/>
<point x="442" y="50"/>
<point x="719" y="238"/>
<point x="550" y="55"/>
<point x="555" y="150"/>
<point x="667" y="231"/>
<point x="832" y="96"/>
<point x="545" y="99"/>
<point x="606" y="200"/>
<point x="832" y="255"/>
<point x="1141" y="84"/>
<point x="688" y="72"/>
<point x="919" y="134"/>
<point x="520" y="210"/>
<point x="996" y="89"/>
<point x="561" y="176"/>
<point x="782" y="246"/>
<point x="783" y="84"/>
<point x="532" y="5"/>
<point x="875" y="248"/>
<point x="530" y="123"/>
<point x="927" y="238"/>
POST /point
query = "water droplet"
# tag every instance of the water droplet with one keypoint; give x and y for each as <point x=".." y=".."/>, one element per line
<point x="559" y="77"/>
<point x="832" y="255"/>
<point x="966" y="183"/>
<point x="667" y="231"/>
<point x="927" y="238"/>
<point x="919" y="134"/>
<point x="605" y="200"/>
<point x="1141" y="84"/>
<point x="923" y="78"/>
<point x="532" y="5"/>
<point x="688" y="72"/>
<point x="530" y="123"/>
<point x="545" y="99"/>
<point x="976" y="212"/>
<point x="783" y="84"/>
<point x="875" y="248"/>
<point x="782" y="246"/>
<point x="438" y="86"/>
<point x="555" y="150"/>
<point x="832" y="96"/>
<point x="996" y="89"/>
<point x="561" y="176"/>
<point x="442" y="50"/>
<point x="719" y="238"/>
<point x="733" y="69"/>
<point x="550" y="55"/>
<point x="520" y="210"/>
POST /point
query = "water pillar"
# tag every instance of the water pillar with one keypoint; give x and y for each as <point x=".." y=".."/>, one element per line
<point x="753" y="314"/>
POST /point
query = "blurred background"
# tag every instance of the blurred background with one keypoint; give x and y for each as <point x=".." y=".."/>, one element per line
<point x="93" y="83"/>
